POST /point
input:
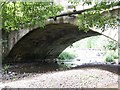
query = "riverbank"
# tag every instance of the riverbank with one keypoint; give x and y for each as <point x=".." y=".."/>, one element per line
<point x="81" y="78"/>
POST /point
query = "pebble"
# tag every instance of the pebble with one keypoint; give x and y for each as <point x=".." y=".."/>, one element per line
<point x="68" y="79"/>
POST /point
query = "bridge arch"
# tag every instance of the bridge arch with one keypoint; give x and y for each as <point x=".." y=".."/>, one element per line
<point x="46" y="43"/>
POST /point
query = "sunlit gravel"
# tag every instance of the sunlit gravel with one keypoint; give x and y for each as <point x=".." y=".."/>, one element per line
<point x="82" y="78"/>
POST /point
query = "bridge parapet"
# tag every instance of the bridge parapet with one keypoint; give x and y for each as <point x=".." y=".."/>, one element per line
<point x="63" y="19"/>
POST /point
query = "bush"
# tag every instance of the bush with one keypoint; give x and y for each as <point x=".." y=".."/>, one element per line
<point x="115" y="56"/>
<point x="109" y="58"/>
<point x="6" y="67"/>
<point x="66" y="55"/>
<point x="112" y="45"/>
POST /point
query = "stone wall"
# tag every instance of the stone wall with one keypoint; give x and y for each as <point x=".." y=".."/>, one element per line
<point x="9" y="39"/>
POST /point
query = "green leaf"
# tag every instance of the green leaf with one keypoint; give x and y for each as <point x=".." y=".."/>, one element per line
<point x="18" y="15"/>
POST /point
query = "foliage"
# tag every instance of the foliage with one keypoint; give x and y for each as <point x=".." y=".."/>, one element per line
<point x="66" y="55"/>
<point x="111" y="56"/>
<point x="112" y="45"/>
<point x="17" y="15"/>
<point x="6" y="67"/>
<point x="89" y="42"/>
<point x="115" y="56"/>
<point x="94" y="17"/>
<point x="109" y="59"/>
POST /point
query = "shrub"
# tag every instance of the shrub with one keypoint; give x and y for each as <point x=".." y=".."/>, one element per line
<point x="112" y="45"/>
<point x="6" y="67"/>
<point x="109" y="58"/>
<point x="66" y="55"/>
<point x="115" y="56"/>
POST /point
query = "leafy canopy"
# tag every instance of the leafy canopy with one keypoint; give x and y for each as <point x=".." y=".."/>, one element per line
<point x="94" y="16"/>
<point x="18" y="15"/>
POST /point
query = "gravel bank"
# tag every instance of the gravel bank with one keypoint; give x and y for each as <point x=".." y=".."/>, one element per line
<point x="82" y="78"/>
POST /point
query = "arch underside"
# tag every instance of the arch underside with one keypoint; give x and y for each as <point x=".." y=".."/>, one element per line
<point x="46" y="43"/>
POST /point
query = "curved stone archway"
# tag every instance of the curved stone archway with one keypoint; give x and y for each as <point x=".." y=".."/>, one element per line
<point x="46" y="43"/>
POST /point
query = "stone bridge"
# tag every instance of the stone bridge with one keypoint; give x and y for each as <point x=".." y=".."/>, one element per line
<point x="40" y="44"/>
<point x="46" y="43"/>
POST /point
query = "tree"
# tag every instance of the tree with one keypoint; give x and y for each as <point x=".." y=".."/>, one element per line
<point x="18" y="15"/>
<point x="95" y="17"/>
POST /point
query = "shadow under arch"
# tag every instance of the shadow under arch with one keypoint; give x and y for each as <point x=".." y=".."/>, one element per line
<point x="46" y="43"/>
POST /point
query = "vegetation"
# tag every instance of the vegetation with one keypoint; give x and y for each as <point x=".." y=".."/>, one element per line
<point x="112" y="51"/>
<point x="91" y="42"/>
<point x="112" y="45"/>
<point x="18" y="15"/>
<point x="6" y="67"/>
<point x="66" y="56"/>
<point x="94" y="16"/>
<point x="109" y="48"/>
<point x="111" y="55"/>
<point x="109" y="58"/>
<point x="115" y="56"/>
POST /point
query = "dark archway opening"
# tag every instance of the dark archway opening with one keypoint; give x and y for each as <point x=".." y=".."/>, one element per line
<point x="46" y="43"/>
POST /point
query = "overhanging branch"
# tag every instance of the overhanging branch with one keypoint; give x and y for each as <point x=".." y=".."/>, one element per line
<point x="81" y="11"/>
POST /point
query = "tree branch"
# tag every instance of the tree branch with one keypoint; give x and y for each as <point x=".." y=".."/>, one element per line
<point x="81" y="11"/>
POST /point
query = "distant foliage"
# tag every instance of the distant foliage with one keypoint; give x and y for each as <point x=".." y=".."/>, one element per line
<point x="112" y="45"/>
<point x="90" y="42"/>
<point x="17" y="15"/>
<point x="66" y="55"/>
<point x="109" y="58"/>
